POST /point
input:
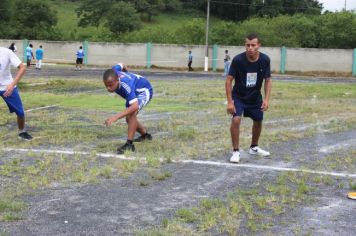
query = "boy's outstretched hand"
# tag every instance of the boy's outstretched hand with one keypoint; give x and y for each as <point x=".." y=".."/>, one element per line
<point x="110" y="120"/>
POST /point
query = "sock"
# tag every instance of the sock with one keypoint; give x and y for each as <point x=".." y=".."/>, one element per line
<point x="236" y="150"/>
<point x="252" y="146"/>
<point x="22" y="130"/>
<point x="129" y="141"/>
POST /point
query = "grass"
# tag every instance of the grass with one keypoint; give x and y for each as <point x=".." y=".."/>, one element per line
<point x="243" y="211"/>
<point x="188" y="123"/>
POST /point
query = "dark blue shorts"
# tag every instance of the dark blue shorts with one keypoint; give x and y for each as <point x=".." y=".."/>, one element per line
<point x="248" y="110"/>
<point x="14" y="102"/>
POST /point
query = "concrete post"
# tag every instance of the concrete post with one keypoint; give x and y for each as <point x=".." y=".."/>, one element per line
<point x="215" y="57"/>
<point x="148" y="56"/>
<point x="354" y="64"/>
<point x="283" y="60"/>
<point x="85" y="48"/>
<point x="24" y="45"/>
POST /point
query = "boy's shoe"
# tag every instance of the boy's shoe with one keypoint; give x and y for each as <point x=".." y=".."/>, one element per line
<point x="258" y="151"/>
<point x="126" y="147"/>
<point x="25" y="136"/>
<point x="142" y="138"/>
<point x="235" y="158"/>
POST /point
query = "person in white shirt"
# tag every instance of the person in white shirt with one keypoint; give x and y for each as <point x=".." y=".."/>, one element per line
<point x="8" y="89"/>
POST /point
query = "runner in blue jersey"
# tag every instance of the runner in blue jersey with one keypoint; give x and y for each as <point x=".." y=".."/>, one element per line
<point x="137" y="92"/>
<point x="250" y="70"/>
<point x="80" y="56"/>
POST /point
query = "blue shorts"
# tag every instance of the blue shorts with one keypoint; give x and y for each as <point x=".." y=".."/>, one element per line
<point x="144" y="97"/>
<point x="253" y="111"/>
<point x="14" y="102"/>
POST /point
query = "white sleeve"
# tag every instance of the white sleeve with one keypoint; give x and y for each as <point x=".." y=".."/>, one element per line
<point x="14" y="60"/>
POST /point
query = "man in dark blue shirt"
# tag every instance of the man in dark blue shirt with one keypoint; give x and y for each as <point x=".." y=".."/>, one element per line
<point x="249" y="70"/>
<point x="137" y="92"/>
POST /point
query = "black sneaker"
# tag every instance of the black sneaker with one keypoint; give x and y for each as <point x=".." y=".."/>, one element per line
<point x="142" y="138"/>
<point x="25" y="136"/>
<point x="126" y="147"/>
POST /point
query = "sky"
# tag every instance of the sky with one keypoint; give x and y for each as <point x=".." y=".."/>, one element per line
<point x="338" y="5"/>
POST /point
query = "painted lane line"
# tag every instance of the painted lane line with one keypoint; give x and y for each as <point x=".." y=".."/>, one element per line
<point x="41" y="108"/>
<point x="70" y="152"/>
<point x="211" y="163"/>
<point x="214" y="163"/>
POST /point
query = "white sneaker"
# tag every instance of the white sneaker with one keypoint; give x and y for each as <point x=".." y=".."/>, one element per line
<point x="258" y="151"/>
<point x="235" y="158"/>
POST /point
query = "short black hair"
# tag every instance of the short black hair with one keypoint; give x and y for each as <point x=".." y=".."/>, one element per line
<point x="252" y="36"/>
<point x="226" y="51"/>
<point x="109" y="73"/>
<point x="31" y="46"/>
<point x="80" y="47"/>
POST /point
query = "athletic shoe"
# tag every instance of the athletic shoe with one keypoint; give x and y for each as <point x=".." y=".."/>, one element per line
<point x="258" y="151"/>
<point x="126" y="147"/>
<point x="25" y="136"/>
<point x="235" y="158"/>
<point x="142" y="138"/>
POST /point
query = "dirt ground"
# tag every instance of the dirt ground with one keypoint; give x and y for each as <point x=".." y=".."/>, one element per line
<point x="120" y="206"/>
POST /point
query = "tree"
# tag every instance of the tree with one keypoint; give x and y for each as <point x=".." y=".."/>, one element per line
<point x="6" y="14"/>
<point x="149" y="7"/>
<point x="34" y="19"/>
<point x="122" y="18"/>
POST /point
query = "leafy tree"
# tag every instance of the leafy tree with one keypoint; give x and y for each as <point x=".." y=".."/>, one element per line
<point x="34" y="19"/>
<point x="122" y="18"/>
<point x="6" y="14"/>
<point x="149" y="7"/>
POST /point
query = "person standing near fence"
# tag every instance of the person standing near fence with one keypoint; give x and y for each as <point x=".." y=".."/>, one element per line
<point x="8" y="88"/>
<point x="29" y="55"/>
<point x="39" y="57"/>
<point x="190" y="61"/>
<point x="80" y="56"/>
<point x="13" y="47"/>
<point x="249" y="70"/>
<point x="226" y="62"/>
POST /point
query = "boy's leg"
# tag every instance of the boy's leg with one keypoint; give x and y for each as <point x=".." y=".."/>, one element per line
<point x="132" y="124"/>
<point x="21" y="122"/>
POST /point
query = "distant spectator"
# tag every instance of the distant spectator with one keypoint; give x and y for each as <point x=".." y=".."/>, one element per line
<point x="226" y="63"/>
<point x="80" y="55"/>
<point x="13" y="47"/>
<point x="39" y="57"/>
<point x="190" y="61"/>
<point x="29" y="54"/>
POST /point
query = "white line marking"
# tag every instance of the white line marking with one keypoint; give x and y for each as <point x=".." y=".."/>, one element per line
<point x="341" y="145"/>
<point x="212" y="163"/>
<point x="70" y="152"/>
<point x="41" y="108"/>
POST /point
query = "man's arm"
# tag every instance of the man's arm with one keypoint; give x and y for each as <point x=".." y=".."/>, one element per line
<point x="228" y="87"/>
<point x="130" y="110"/>
<point x="17" y="79"/>
<point x="267" y="88"/>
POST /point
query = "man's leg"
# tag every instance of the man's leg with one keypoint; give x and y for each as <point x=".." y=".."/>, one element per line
<point x="256" y="132"/>
<point x="235" y="131"/>
<point x="132" y="124"/>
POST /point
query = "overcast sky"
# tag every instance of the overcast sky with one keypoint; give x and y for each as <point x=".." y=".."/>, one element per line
<point x="338" y="5"/>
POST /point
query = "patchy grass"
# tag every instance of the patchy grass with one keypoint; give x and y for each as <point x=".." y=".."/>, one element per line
<point x="243" y="211"/>
<point x="188" y="122"/>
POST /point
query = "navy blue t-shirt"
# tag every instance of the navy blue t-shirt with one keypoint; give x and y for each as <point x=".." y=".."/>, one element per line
<point x="249" y="77"/>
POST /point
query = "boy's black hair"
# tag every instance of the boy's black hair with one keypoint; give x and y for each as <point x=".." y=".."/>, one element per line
<point x="109" y="73"/>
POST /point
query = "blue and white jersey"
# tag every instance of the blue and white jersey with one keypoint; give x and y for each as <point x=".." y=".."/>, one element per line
<point x="118" y="67"/>
<point x="80" y="54"/>
<point x="132" y="87"/>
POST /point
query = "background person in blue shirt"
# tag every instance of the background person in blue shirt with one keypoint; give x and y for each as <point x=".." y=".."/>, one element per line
<point x="137" y="92"/>
<point x="39" y="57"/>
<point x="249" y="70"/>
<point x="80" y="55"/>
<point x="29" y="55"/>
<point x="190" y="61"/>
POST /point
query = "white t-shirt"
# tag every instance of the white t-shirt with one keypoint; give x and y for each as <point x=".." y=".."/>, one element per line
<point x="7" y="58"/>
